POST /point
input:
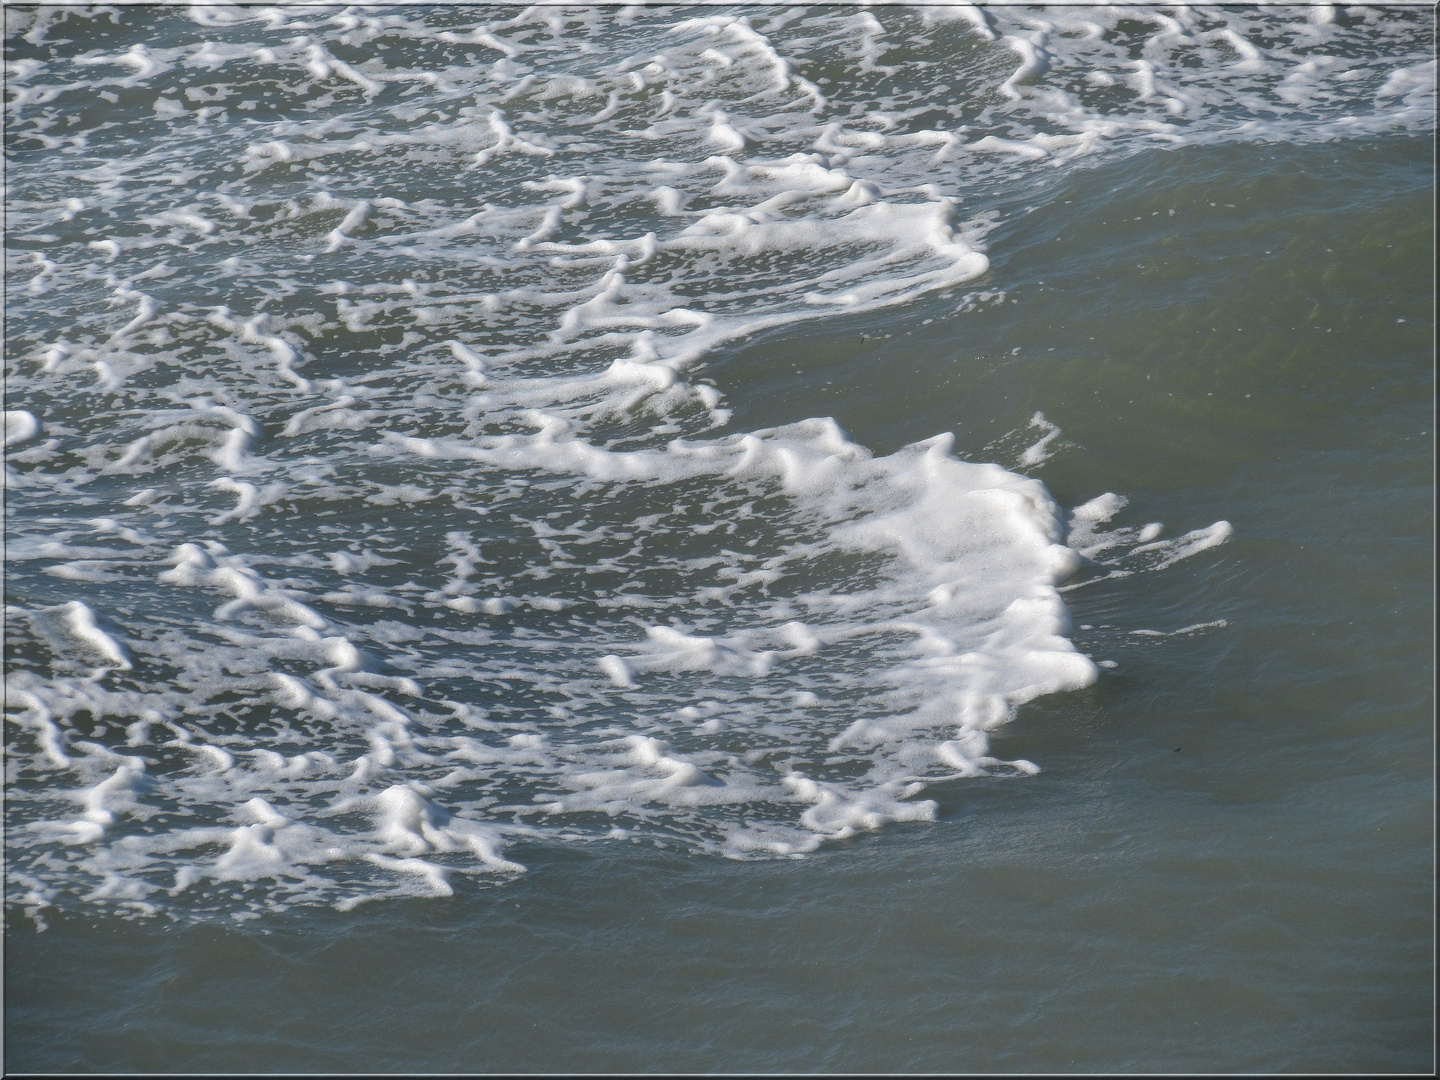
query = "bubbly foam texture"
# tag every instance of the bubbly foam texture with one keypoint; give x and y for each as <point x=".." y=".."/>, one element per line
<point x="369" y="510"/>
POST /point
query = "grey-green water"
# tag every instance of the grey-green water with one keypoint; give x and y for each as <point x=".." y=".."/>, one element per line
<point x="1226" y="860"/>
<point x="1226" y="864"/>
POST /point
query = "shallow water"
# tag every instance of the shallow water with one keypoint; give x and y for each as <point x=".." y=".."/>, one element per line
<point x="1224" y="860"/>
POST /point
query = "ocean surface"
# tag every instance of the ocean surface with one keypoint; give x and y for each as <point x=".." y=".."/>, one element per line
<point x="719" y="538"/>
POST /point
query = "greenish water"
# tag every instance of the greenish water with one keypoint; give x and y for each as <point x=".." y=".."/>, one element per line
<point x="407" y="661"/>
<point x="1226" y="862"/>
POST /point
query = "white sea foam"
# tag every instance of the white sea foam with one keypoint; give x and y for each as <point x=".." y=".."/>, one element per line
<point x="380" y="372"/>
<point x="20" y="427"/>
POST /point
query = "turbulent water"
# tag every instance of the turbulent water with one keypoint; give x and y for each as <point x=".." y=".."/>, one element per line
<point x="375" y="497"/>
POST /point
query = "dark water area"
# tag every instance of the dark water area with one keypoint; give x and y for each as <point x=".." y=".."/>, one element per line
<point x="1226" y="860"/>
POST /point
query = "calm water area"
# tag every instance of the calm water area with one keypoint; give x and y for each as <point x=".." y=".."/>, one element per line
<point x="1210" y="850"/>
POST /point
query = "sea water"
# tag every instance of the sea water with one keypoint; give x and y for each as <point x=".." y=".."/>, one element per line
<point x="718" y="538"/>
